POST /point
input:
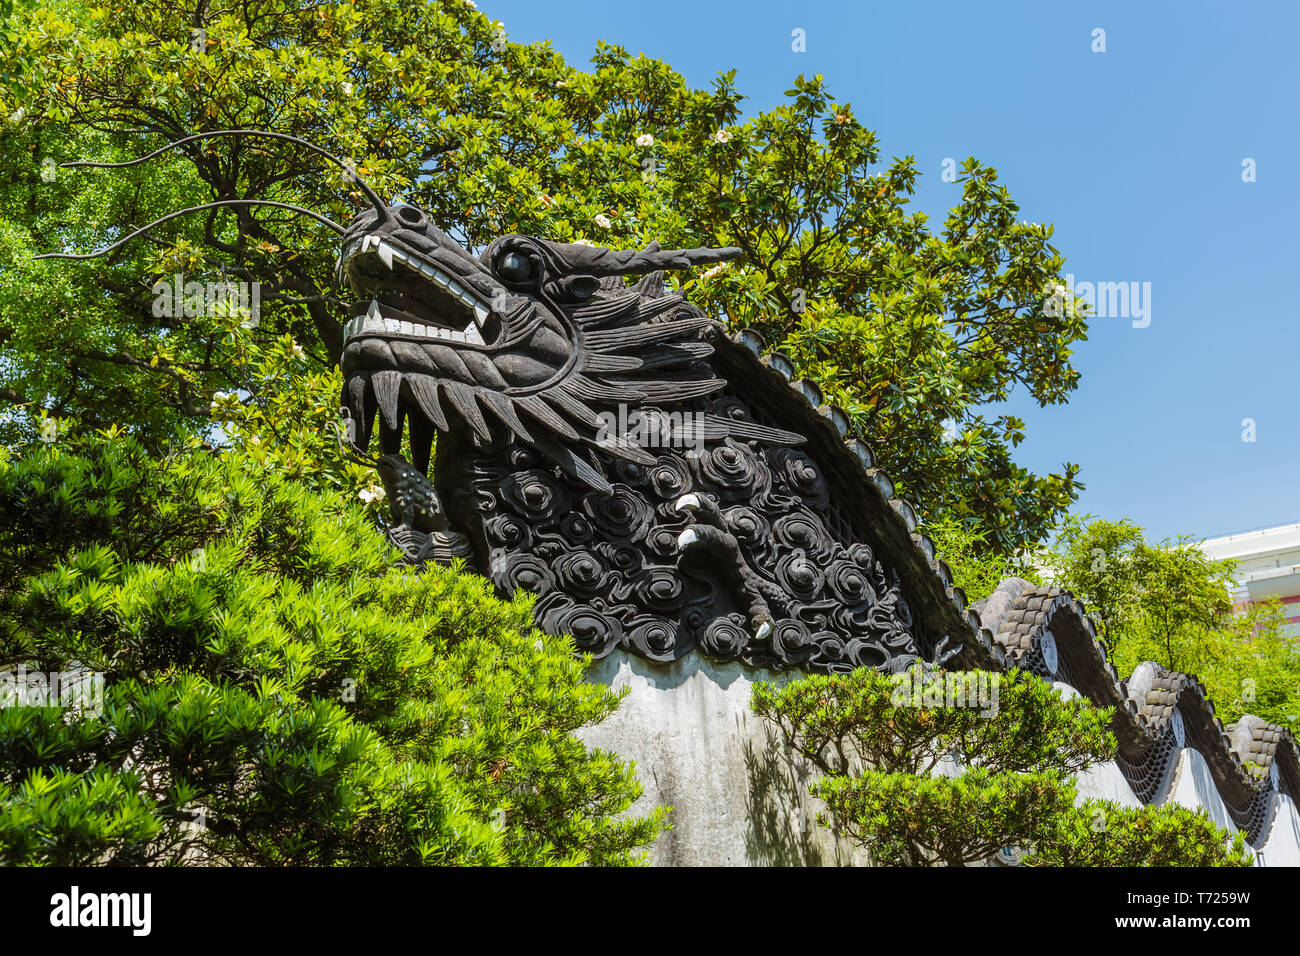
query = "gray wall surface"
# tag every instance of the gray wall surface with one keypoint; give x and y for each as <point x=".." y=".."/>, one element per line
<point x="740" y="797"/>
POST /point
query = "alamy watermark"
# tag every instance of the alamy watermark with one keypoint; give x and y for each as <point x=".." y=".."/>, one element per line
<point x="972" y="689"/>
<point x="1116" y="300"/>
<point x="80" y="689"/>
<point x="177" y="298"/>
<point x="651" y="428"/>
<point x="75" y="908"/>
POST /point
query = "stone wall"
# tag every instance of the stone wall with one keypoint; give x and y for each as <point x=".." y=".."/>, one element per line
<point x="740" y="798"/>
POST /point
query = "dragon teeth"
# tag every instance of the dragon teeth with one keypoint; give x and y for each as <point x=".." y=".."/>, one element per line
<point x="387" y="386"/>
<point x="425" y="390"/>
<point x="389" y="254"/>
<point x="375" y="323"/>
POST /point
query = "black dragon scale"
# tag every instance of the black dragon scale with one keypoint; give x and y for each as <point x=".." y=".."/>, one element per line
<point x="606" y="447"/>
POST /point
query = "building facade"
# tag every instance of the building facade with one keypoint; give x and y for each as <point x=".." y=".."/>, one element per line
<point x="1268" y="567"/>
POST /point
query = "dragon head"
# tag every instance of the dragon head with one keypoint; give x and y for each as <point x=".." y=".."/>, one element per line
<point x="528" y="336"/>
<point x="531" y="336"/>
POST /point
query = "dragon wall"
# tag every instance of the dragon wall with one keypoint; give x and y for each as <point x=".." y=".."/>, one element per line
<point x="740" y="797"/>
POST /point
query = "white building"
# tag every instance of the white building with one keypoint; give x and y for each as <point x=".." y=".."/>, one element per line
<point x="1268" y="566"/>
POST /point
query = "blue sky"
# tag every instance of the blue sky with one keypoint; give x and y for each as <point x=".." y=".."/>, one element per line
<point x="1134" y="154"/>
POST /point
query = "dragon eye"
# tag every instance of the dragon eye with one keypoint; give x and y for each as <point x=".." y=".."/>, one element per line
<point x="514" y="267"/>
<point x="410" y="215"/>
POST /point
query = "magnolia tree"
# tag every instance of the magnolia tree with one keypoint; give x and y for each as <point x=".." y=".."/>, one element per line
<point x="292" y="697"/>
<point x="911" y="330"/>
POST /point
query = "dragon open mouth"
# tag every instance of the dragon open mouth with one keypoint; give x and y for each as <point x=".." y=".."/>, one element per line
<point x="422" y="340"/>
<point x="409" y="295"/>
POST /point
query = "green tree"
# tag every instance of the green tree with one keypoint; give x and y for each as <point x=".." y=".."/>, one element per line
<point x="276" y="691"/>
<point x="1014" y="746"/>
<point x="976" y="567"/>
<point x="905" y="327"/>
<point x="1100" y="833"/>
<point x="1170" y="603"/>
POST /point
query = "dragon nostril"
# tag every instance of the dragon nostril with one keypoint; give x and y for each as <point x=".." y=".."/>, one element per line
<point x="410" y="215"/>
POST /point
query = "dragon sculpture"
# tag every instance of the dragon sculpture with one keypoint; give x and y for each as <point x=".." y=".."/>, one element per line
<point x="607" y="447"/>
<point x="594" y="447"/>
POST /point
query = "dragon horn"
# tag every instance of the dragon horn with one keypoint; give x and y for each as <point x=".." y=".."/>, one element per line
<point x="598" y="261"/>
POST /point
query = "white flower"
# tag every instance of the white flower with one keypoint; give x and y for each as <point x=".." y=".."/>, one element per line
<point x="17" y="115"/>
<point x="224" y="402"/>
<point x="603" y="221"/>
<point x="710" y="273"/>
<point x="562" y="83"/>
<point x="371" y="493"/>
<point x="347" y="89"/>
<point x="645" y="139"/>
<point x="583" y="242"/>
<point x="471" y="4"/>
<point x="722" y="136"/>
<point x="296" y="351"/>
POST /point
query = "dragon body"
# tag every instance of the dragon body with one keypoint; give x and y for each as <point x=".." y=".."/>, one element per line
<point x="597" y="446"/>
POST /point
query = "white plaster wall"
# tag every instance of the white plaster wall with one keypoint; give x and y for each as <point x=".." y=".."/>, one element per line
<point x="1194" y="787"/>
<point x="1105" y="781"/>
<point x="740" y="798"/>
<point x="1282" y="846"/>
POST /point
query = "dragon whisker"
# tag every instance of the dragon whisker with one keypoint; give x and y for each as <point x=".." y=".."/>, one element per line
<point x="189" y="209"/>
<point x="285" y="137"/>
